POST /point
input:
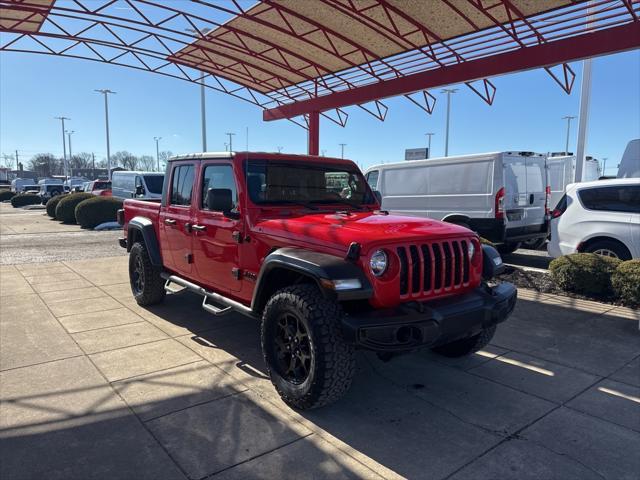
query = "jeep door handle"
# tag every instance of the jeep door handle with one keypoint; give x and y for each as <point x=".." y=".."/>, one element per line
<point x="199" y="228"/>
<point x="169" y="221"/>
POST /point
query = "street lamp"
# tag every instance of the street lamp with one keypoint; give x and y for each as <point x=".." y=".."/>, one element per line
<point x="157" y="139"/>
<point x="203" y="113"/>
<point x="279" y="149"/>
<point x="64" y="144"/>
<point x="342" y="145"/>
<point x="106" y="92"/>
<point x="69" y="133"/>
<point x="568" y="118"/>
<point x="430" y="134"/>
<point x="230" y="140"/>
<point x="448" y="91"/>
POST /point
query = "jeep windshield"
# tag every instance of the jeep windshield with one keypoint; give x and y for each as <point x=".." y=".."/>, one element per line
<point x="306" y="184"/>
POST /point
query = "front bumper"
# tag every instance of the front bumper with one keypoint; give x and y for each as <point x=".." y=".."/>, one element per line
<point x="428" y="324"/>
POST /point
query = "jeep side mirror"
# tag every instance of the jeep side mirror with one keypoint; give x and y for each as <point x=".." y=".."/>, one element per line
<point x="139" y="190"/>
<point x="378" y="196"/>
<point x="219" y="200"/>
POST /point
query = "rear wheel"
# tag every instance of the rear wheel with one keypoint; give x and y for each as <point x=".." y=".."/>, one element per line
<point x="466" y="346"/>
<point x="147" y="285"/>
<point x="309" y="362"/>
<point x="609" y="248"/>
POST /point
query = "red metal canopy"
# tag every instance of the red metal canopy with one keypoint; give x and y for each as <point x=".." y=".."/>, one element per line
<point x="315" y="57"/>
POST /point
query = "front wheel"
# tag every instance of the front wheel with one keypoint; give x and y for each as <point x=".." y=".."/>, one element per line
<point x="309" y="362"/>
<point x="466" y="346"/>
<point x="147" y="285"/>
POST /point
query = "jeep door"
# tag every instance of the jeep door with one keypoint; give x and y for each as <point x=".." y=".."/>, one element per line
<point x="216" y="234"/>
<point x="176" y="219"/>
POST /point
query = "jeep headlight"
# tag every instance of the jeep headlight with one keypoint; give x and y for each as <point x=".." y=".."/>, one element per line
<point x="471" y="250"/>
<point x="378" y="262"/>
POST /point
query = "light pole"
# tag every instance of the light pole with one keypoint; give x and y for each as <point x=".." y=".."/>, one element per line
<point x="604" y="166"/>
<point x="69" y="133"/>
<point x="230" y="140"/>
<point x="448" y="91"/>
<point x="430" y="134"/>
<point x="323" y="152"/>
<point x="64" y="144"/>
<point x="203" y="109"/>
<point x="568" y="118"/>
<point x="342" y="145"/>
<point x="157" y="139"/>
<point x="279" y="149"/>
<point x="106" y="92"/>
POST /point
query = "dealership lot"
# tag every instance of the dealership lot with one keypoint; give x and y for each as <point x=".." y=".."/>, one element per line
<point x="95" y="386"/>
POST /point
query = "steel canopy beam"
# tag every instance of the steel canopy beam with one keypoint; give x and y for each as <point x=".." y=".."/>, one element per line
<point x="602" y="42"/>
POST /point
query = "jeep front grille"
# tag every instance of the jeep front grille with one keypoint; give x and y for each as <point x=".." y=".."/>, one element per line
<point x="433" y="268"/>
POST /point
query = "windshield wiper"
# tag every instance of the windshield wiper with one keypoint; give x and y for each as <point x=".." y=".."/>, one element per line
<point x="295" y="202"/>
<point x="343" y="201"/>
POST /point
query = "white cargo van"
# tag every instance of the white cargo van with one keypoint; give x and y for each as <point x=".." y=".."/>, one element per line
<point x="501" y="195"/>
<point x="147" y="185"/>
<point x="561" y="171"/>
<point x="629" y="166"/>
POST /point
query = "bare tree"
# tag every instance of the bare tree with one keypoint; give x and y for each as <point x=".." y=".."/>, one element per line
<point x="164" y="157"/>
<point x="81" y="160"/>
<point x="45" y="164"/>
<point x="147" y="163"/>
<point x="125" y="159"/>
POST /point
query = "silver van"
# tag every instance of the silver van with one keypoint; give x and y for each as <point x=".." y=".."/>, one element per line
<point x="501" y="195"/>
<point x="146" y="185"/>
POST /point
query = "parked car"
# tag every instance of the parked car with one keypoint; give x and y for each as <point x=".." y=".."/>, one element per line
<point x="74" y="183"/>
<point x="19" y="184"/>
<point x="599" y="217"/>
<point x="50" y="187"/>
<point x="269" y="236"/>
<point x="502" y="195"/>
<point x="145" y="185"/>
<point x="100" y="188"/>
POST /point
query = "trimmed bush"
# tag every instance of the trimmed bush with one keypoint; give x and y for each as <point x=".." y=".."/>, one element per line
<point x="24" y="199"/>
<point x="6" y="195"/>
<point x="66" y="208"/>
<point x="626" y="282"/>
<point x="52" y="203"/>
<point x="586" y="273"/>
<point x="92" y="212"/>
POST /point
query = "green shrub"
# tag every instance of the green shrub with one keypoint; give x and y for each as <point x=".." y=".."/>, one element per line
<point x="52" y="204"/>
<point x="66" y="208"/>
<point x="6" y="195"/>
<point x="584" y="273"/>
<point x="626" y="282"/>
<point x="24" y="199"/>
<point x="92" y="212"/>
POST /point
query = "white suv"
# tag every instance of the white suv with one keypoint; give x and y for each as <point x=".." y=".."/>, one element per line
<point x="598" y="217"/>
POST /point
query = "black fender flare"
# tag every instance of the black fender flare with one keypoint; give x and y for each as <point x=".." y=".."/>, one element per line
<point x="144" y="227"/>
<point x="323" y="268"/>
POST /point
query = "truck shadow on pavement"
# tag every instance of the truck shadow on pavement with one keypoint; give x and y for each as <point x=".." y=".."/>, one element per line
<point x="556" y="395"/>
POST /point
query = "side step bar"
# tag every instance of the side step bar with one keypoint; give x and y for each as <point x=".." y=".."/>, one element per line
<point x="227" y="302"/>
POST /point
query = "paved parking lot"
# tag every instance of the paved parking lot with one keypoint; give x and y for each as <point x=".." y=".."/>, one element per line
<point x="94" y="386"/>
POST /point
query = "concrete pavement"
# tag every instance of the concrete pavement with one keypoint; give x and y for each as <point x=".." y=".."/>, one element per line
<point x="94" y="386"/>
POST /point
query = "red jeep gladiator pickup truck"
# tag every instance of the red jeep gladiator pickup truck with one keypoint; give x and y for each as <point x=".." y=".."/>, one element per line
<point x="300" y="242"/>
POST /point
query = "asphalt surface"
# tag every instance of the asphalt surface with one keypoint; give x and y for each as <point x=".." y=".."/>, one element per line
<point x="29" y="236"/>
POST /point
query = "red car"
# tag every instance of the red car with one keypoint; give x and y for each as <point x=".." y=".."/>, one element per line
<point x="300" y="242"/>
<point x="100" y="187"/>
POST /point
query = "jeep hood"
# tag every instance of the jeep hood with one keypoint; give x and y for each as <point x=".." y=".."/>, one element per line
<point x="369" y="229"/>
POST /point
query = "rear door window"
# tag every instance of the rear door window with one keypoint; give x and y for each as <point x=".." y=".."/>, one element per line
<point x="613" y="199"/>
<point x="182" y="185"/>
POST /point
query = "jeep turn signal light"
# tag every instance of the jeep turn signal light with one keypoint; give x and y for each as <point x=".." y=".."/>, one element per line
<point x="343" y="284"/>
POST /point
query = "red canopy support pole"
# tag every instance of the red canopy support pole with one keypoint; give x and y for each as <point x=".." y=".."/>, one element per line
<point x="314" y="133"/>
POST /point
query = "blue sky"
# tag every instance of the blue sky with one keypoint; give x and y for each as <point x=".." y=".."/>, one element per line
<point x="526" y="114"/>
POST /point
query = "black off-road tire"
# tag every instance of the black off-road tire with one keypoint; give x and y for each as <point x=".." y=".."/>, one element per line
<point x="332" y="358"/>
<point x="151" y="290"/>
<point x="466" y="346"/>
